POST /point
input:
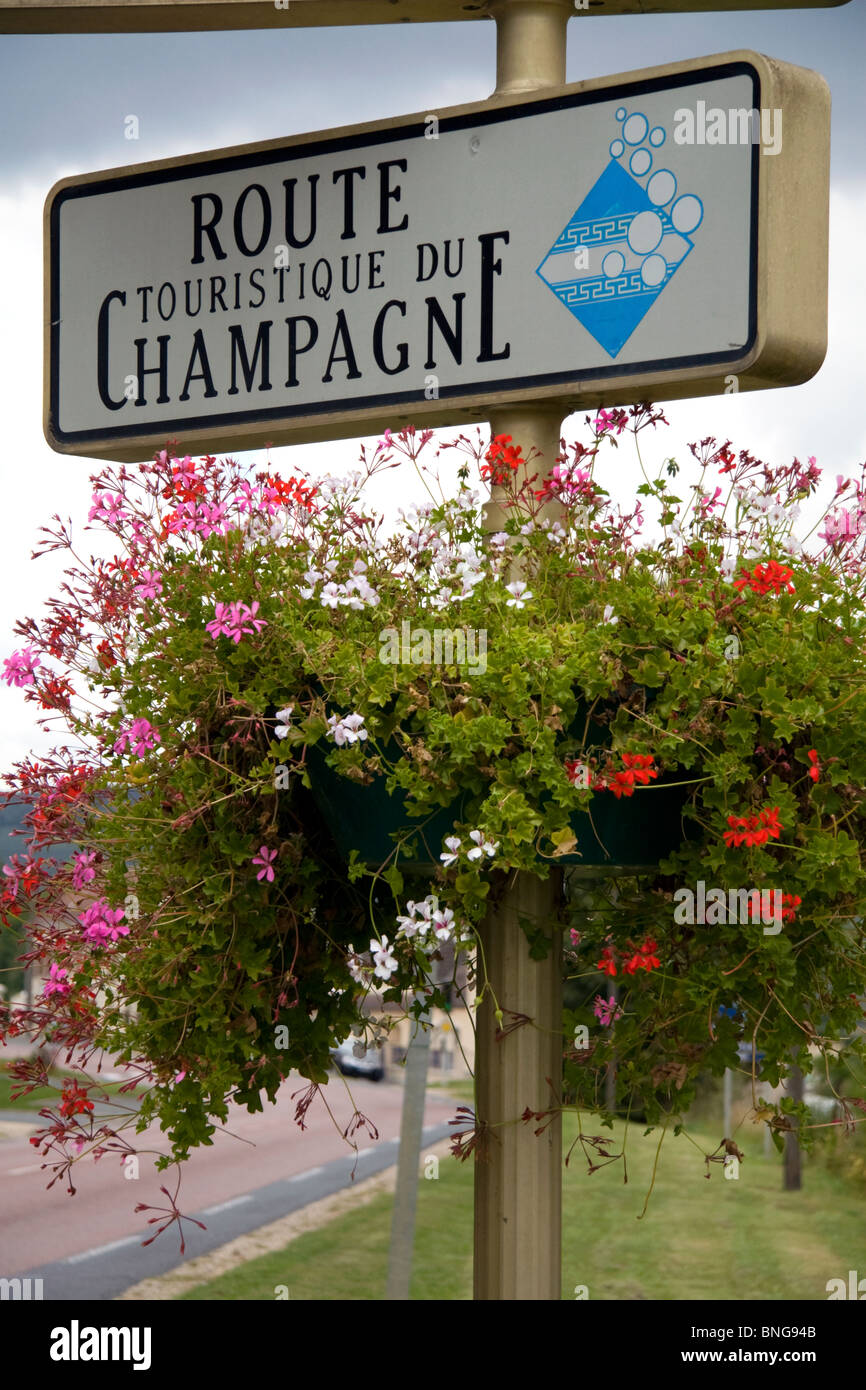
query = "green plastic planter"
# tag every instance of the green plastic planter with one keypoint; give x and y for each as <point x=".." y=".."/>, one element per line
<point x="631" y="834"/>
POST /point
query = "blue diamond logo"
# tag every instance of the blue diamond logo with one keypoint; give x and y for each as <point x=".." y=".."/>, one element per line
<point x="614" y="258"/>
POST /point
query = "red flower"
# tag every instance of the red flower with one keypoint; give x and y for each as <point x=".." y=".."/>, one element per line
<point x="107" y="657"/>
<point x="648" y="951"/>
<point x="644" y="959"/>
<point x="55" y="694"/>
<point x="641" y="765"/>
<point x="763" y="578"/>
<point x="622" y="784"/>
<point x="576" y="772"/>
<point x="753" y="830"/>
<point x="75" y="1100"/>
<point x="815" y="769"/>
<point x="607" y="964"/>
<point x="502" y="454"/>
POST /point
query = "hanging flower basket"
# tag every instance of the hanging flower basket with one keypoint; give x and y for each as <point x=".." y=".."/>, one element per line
<point x="683" y="686"/>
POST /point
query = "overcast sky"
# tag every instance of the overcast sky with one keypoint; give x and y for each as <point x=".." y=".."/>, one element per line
<point x="63" y="106"/>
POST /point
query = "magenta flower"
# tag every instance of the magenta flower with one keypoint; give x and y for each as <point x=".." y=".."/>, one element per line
<point x="707" y="504"/>
<point x="20" y="668"/>
<point x="107" y="507"/>
<point x="604" y="420"/>
<point x="235" y="620"/>
<point x="569" y="478"/>
<point x="151" y="585"/>
<point x="265" y="857"/>
<point x="82" y="870"/>
<point x="141" y="737"/>
<point x="202" y="518"/>
<point x="101" y="923"/>
<point x="56" y="982"/>
<point x="606" y="1012"/>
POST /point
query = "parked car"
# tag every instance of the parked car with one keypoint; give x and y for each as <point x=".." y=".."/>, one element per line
<point x="353" y="1058"/>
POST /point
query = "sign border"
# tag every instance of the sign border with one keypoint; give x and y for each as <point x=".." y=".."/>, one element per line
<point x="175" y="16"/>
<point x="668" y="378"/>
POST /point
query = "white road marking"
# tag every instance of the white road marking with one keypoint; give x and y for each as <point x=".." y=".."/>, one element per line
<point x="310" y="1173"/>
<point x="100" y="1250"/>
<point x="16" y="1172"/>
<point x="224" y="1206"/>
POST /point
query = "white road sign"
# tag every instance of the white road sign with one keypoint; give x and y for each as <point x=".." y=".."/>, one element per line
<point x="658" y="235"/>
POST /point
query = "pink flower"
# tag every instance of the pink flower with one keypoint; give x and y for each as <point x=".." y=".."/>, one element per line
<point x="606" y="1012"/>
<point x="20" y="668"/>
<point x="707" y="504"/>
<point x="151" y="585"/>
<point x="56" y="982"/>
<point x="610" y="419"/>
<point x="179" y="1077"/>
<point x="82" y="870"/>
<point x="101" y="923"/>
<point x="141" y="737"/>
<point x="265" y="857"/>
<point x="235" y="620"/>
<point x="106" y="507"/>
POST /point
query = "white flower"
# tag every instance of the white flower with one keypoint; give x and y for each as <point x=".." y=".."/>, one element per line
<point x="453" y="846"/>
<point x="383" y="961"/>
<point x="498" y="539"/>
<point x="443" y="923"/>
<point x="777" y="514"/>
<point x="519" y="593"/>
<point x="347" y="730"/>
<point x="330" y="596"/>
<point x="608" y="616"/>
<point x="728" y="567"/>
<point x="359" y="971"/>
<point x="555" y="531"/>
<point x="482" y="846"/>
<point x="283" y="716"/>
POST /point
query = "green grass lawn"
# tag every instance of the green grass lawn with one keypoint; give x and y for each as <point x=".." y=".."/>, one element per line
<point x="33" y="1102"/>
<point x="738" y="1239"/>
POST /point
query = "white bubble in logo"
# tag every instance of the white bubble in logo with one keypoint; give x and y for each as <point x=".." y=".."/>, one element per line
<point x="620" y="115"/>
<point x="687" y="213"/>
<point x="616" y="148"/>
<point x="653" y="271"/>
<point x="661" y="187"/>
<point x="645" y="232"/>
<point x="635" y="129"/>
<point x="613" y="264"/>
<point x="640" y="162"/>
<point x="657" y="136"/>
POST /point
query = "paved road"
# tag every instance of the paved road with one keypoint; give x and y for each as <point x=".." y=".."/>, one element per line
<point x="261" y="1167"/>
